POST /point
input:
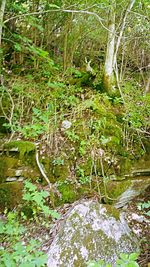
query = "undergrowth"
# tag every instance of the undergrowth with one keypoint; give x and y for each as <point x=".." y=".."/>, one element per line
<point x="15" y="249"/>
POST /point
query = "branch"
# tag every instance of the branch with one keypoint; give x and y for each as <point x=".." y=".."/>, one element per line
<point x="41" y="170"/>
<point x="59" y="10"/>
<point x="122" y="29"/>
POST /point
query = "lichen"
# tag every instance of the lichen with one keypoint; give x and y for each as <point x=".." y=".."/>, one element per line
<point x="89" y="233"/>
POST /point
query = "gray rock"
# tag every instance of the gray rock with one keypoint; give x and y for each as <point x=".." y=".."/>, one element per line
<point x="18" y="173"/>
<point x="66" y="124"/>
<point x="135" y="189"/>
<point x="11" y="179"/>
<point x="91" y="231"/>
<point x="137" y="217"/>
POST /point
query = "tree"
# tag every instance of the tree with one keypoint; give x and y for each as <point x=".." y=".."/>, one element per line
<point x="2" y="10"/>
<point x="108" y="69"/>
<point x="113" y="44"/>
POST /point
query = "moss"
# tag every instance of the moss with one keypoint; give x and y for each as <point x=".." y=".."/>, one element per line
<point x="9" y="166"/>
<point x="68" y="193"/>
<point x="23" y="147"/>
<point x="3" y="129"/>
<point x="61" y="172"/>
<point x="115" y="189"/>
<point x="108" y="85"/>
<point x="85" y="80"/>
<point x="6" y="167"/>
<point x="10" y="195"/>
<point x="113" y="212"/>
<point x="85" y="191"/>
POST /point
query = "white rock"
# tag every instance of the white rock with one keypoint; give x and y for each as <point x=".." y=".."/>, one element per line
<point x="18" y="173"/>
<point x="66" y="124"/>
<point x="137" y="218"/>
<point x="11" y="179"/>
<point x="90" y="231"/>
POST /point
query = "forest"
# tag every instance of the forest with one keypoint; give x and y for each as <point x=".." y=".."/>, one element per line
<point x="74" y="133"/>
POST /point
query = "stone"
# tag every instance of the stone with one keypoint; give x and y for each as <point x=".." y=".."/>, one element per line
<point x="66" y="124"/>
<point x="91" y="231"/>
<point x="18" y="173"/>
<point x="11" y="179"/>
<point x="136" y="188"/>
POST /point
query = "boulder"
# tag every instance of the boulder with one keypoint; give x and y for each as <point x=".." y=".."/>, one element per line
<point x="91" y="231"/>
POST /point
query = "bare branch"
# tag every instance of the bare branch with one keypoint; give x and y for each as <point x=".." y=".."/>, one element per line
<point x="42" y="171"/>
<point x="59" y="10"/>
<point x="122" y="28"/>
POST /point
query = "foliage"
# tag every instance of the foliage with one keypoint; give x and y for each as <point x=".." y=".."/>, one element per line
<point x="14" y="251"/>
<point x="36" y="201"/>
<point x="83" y="179"/>
<point x="144" y="207"/>
<point x="137" y="111"/>
<point x="124" y="260"/>
<point x="99" y="263"/>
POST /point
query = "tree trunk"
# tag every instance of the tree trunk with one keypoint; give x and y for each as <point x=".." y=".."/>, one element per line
<point x="108" y="68"/>
<point x="2" y="10"/>
<point x="122" y="30"/>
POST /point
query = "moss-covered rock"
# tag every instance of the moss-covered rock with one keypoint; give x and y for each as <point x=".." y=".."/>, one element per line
<point x="116" y="188"/>
<point x="68" y="193"/>
<point x="132" y="188"/>
<point x="12" y="166"/>
<point x="7" y="167"/>
<point x="61" y="172"/>
<point x="90" y="231"/>
<point x="24" y="148"/>
<point x="10" y="195"/>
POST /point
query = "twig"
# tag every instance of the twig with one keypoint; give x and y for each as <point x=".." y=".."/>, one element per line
<point x="41" y="170"/>
<point x="60" y="10"/>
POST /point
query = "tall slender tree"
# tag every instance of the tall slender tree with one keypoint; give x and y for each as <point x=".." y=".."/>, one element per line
<point x="2" y="10"/>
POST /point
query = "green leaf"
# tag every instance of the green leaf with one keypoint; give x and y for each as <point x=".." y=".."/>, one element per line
<point x="44" y="194"/>
<point x="40" y="261"/>
<point x="133" y="256"/>
<point x="30" y="186"/>
<point x="2" y="228"/>
<point x="27" y="197"/>
<point x="8" y="262"/>
<point x="124" y="256"/>
<point x="132" y="264"/>
<point x="18" y="47"/>
<point x="27" y="264"/>
<point x="53" y="6"/>
<point x="55" y="214"/>
<point x="36" y="111"/>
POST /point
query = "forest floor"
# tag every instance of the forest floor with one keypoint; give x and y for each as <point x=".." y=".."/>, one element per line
<point x="138" y="222"/>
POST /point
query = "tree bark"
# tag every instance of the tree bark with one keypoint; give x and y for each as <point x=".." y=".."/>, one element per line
<point x="2" y="10"/>
<point x="108" y="68"/>
<point x="122" y="30"/>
